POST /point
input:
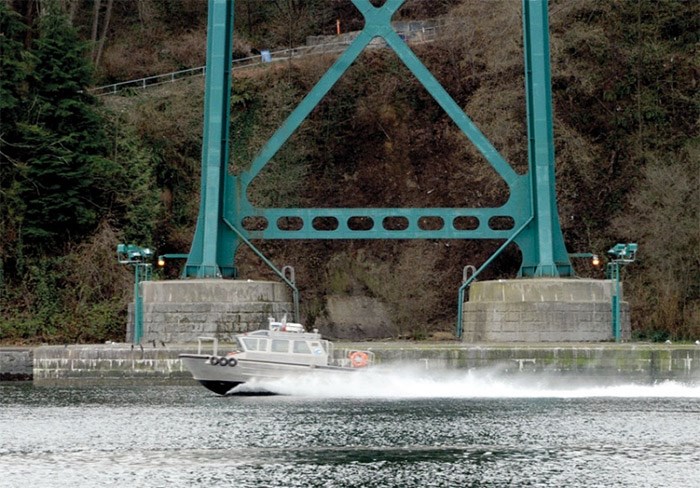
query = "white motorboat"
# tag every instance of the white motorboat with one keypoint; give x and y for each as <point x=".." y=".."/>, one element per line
<point x="283" y="350"/>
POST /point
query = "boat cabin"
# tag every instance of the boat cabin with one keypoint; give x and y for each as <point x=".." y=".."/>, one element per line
<point x="285" y="343"/>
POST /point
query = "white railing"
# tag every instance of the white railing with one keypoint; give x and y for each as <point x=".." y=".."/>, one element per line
<point x="425" y="34"/>
<point x="237" y="64"/>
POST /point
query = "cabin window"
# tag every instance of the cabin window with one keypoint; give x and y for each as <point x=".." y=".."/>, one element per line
<point x="279" y="345"/>
<point x="317" y="348"/>
<point x="262" y="344"/>
<point x="301" y="347"/>
<point x="250" y="344"/>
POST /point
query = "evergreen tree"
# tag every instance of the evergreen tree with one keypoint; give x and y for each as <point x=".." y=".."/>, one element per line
<point x="66" y="170"/>
<point x="15" y="65"/>
<point x="13" y="68"/>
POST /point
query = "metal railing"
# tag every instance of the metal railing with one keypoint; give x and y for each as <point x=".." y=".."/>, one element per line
<point x="426" y="34"/>
<point x="237" y="64"/>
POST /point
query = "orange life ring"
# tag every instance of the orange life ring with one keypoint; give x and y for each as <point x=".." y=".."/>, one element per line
<point x="359" y="359"/>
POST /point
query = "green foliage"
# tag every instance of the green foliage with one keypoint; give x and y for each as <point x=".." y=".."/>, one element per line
<point x="63" y="169"/>
<point x="166" y="131"/>
<point x="627" y="105"/>
<point x="136" y="206"/>
<point x="62" y="180"/>
<point x="14" y="67"/>
<point x="87" y="177"/>
<point x="78" y="297"/>
<point x="663" y="217"/>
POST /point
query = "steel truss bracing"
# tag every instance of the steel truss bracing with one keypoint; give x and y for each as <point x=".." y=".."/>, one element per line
<point x="531" y="206"/>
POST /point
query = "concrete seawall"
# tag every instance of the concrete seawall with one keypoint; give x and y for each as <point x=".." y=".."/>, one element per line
<point x="123" y="364"/>
<point x="630" y="361"/>
<point x="16" y="363"/>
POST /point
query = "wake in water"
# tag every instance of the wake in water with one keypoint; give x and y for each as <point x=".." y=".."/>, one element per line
<point x="409" y="382"/>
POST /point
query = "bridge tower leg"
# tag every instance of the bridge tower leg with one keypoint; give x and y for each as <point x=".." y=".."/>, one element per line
<point x="541" y="243"/>
<point x="214" y="244"/>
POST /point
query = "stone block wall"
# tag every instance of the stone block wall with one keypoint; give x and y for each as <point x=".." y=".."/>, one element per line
<point x="110" y="364"/>
<point x="180" y="311"/>
<point x="16" y="364"/>
<point x="541" y="310"/>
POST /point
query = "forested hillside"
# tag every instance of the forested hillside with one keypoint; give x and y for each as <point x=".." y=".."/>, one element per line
<point x="80" y="174"/>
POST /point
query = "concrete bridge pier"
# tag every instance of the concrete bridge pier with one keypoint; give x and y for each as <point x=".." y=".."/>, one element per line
<point x="179" y="311"/>
<point x="542" y="310"/>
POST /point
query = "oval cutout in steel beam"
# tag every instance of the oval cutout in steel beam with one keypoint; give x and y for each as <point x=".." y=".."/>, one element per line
<point x="360" y="223"/>
<point x="465" y="222"/>
<point x="290" y="223"/>
<point x="501" y="222"/>
<point x="431" y="223"/>
<point x="325" y="223"/>
<point x="254" y="223"/>
<point x="395" y="223"/>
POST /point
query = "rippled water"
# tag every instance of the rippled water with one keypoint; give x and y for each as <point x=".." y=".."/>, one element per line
<point x="388" y="430"/>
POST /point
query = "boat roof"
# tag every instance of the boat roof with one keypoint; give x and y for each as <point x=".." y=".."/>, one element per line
<point x="280" y="334"/>
<point x="284" y="330"/>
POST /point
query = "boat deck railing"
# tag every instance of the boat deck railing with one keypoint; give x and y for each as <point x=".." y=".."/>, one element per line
<point x="213" y="340"/>
<point x="344" y="358"/>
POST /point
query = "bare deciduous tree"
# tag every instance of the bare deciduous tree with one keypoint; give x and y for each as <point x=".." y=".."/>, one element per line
<point x="95" y="25"/>
<point x="103" y="36"/>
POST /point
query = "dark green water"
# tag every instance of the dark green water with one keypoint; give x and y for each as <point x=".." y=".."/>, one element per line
<point x="626" y="436"/>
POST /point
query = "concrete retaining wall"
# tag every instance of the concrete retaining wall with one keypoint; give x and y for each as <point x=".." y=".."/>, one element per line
<point x="639" y="362"/>
<point x="113" y="364"/>
<point x="542" y="310"/>
<point x="16" y="364"/>
<point x="179" y="311"/>
<point x="121" y="364"/>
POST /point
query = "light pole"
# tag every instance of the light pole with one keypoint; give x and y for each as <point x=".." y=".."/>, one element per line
<point x="622" y="255"/>
<point x="137" y="257"/>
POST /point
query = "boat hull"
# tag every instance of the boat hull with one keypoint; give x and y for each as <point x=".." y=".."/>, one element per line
<point x="221" y="379"/>
<point x="218" y="387"/>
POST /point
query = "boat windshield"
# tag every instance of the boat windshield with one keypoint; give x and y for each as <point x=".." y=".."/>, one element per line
<point x="301" y="347"/>
<point x="253" y="343"/>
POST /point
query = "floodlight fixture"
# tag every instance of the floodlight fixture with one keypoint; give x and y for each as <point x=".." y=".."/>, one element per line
<point x="139" y="259"/>
<point x="623" y="253"/>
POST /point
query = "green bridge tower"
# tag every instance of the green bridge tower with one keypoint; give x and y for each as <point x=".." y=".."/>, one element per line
<point x="531" y="206"/>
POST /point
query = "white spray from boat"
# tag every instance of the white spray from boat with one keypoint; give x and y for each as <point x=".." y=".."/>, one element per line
<point x="410" y="382"/>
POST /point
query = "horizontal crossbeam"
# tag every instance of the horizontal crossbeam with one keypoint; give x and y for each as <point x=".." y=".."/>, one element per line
<point x="380" y="223"/>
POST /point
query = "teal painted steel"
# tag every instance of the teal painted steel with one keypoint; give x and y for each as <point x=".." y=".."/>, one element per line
<point x="212" y="251"/>
<point x="542" y="245"/>
<point x="622" y="255"/>
<point x="531" y="204"/>
<point x="142" y="272"/>
<point x="378" y="24"/>
<point x="137" y="257"/>
<point x="614" y="272"/>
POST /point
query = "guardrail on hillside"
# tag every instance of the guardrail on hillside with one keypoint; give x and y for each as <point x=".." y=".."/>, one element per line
<point x="425" y="34"/>
<point x="237" y="64"/>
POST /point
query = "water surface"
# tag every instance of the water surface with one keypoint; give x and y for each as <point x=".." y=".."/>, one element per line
<point x="402" y="429"/>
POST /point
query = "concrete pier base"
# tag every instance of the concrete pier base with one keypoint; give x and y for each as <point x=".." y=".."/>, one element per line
<point x="542" y="310"/>
<point x="179" y="311"/>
